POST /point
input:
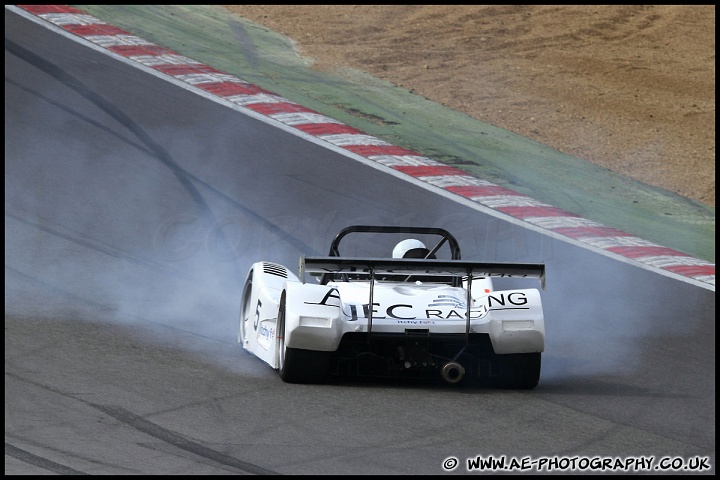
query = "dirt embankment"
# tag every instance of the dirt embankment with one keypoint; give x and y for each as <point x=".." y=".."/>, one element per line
<point x="631" y="88"/>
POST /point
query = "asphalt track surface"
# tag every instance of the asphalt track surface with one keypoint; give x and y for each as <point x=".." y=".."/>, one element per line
<point x="133" y="209"/>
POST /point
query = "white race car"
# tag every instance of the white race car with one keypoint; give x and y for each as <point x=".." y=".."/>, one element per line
<point x="413" y="315"/>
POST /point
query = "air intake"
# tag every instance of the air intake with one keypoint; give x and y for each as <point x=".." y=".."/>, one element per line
<point x="273" y="269"/>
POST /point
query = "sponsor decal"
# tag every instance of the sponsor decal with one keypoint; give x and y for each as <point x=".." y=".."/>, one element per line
<point x="331" y="293"/>
<point x="266" y="333"/>
<point x="416" y="322"/>
<point x="447" y="301"/>
<point x="444" y="307"/>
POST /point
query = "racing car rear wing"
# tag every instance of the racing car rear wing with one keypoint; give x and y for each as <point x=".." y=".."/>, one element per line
<point x="373" y="267"/>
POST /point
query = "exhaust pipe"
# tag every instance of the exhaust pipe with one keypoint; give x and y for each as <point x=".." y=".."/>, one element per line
<point x="452" y="372"/>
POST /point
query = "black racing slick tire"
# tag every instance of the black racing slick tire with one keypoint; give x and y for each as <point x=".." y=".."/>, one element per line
<point x="519" y="371"/>
<point x="297" y="365"/>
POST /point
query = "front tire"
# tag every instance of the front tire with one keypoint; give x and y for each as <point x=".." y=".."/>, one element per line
<point x="245" y="309"/>
<point x="297" y="365"/>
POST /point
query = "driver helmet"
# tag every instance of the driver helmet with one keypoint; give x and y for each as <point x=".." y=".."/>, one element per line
<point x="411" y="248"/>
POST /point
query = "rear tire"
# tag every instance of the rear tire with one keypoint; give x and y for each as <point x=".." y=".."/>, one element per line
<point x="519" y="371"/>
<point x="296" y="365"/>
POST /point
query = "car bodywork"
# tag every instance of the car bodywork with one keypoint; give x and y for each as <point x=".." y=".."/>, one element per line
<point x="389" y="317"/>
